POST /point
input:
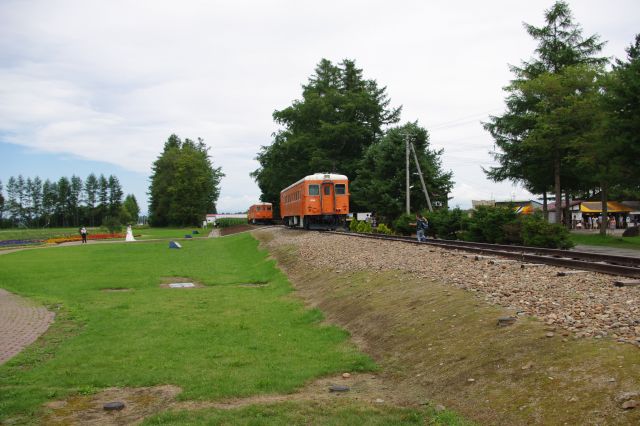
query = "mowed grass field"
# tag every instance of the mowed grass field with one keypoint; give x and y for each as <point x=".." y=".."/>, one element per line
<point x="160" y="233"/>
<point x="608" y="241"/>
<point x="224" y="339"/>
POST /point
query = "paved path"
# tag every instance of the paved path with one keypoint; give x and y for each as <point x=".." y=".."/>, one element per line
<point x="608" y="250"/>
<point x="21" y="323"/>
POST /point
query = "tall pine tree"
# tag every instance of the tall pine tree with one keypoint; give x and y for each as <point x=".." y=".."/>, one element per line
<point x="339" y="116"/>
<point x="560" y="45"/>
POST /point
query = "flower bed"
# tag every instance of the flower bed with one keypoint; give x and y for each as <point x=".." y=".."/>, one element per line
<point x="7" y="243"/>
<point x="72" y="238"/>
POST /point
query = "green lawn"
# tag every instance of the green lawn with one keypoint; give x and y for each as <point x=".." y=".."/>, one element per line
<point x="167" y="233"/>
<point x="218" y="341"/>
<point x="608" y="240"/>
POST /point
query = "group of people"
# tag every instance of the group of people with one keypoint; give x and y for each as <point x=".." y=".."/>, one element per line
<point x="612" y="222"/>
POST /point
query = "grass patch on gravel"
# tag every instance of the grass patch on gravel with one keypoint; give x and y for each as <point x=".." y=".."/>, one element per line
<point x="632" y="243"/>
<point x="218" y="341"/>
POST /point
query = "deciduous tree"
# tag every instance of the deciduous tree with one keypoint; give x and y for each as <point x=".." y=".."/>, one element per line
<point x="184" y="184"/>
<point x="131" y="206"/>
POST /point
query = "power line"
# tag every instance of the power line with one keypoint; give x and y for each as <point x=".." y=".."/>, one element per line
<point x="461" y="120"/>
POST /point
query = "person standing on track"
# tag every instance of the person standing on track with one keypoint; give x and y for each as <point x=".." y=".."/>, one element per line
<point x="421" y="227"/>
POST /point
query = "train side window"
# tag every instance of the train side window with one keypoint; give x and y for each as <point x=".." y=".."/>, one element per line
<point x="314" y="189"/>
<point x="327" y="190"/>
<point x="340" y="189"/>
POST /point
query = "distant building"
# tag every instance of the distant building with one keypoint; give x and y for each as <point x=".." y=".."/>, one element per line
<point x="211" y="218"/>
<point x="478" y="203"/>
<point x="522" y="207"/>
<point x="587" y="214"/>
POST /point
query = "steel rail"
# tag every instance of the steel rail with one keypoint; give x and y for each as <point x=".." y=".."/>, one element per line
<point x="606" y="264"/>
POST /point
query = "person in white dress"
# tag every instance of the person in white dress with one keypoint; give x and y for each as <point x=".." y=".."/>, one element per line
<point x="129" y="234"/>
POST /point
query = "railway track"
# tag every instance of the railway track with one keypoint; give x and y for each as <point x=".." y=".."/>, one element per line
<point x="607" y="264"/>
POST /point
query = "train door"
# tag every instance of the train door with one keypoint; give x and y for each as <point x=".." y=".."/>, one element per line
<point x="328" y="198"/>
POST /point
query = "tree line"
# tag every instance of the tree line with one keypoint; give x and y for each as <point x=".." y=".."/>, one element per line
<point x="95" y="201"/>
<point x="571" y="126"/>
<point x="339" y="126"/>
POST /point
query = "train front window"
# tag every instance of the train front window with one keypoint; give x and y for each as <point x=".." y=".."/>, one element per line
<point x="327" y="190"/>
<point x="314" y="189"/>
<point x="340" y="189"/>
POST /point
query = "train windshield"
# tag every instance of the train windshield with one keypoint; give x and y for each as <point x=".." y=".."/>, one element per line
<point x="340" y="189"/>
<point x="314" y="189"/>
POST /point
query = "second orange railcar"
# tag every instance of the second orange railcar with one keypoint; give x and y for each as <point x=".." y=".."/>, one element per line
<point x="318" y="201"/>
<point x="260" y="213"/>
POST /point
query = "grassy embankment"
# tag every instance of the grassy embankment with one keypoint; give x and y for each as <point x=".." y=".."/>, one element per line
<point x="436" y="342"/>
<point x="218" y="341"/>
<point x="632" y="243"/>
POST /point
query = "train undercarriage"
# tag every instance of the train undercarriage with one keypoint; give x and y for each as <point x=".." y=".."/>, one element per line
<point x="317" y="222"/>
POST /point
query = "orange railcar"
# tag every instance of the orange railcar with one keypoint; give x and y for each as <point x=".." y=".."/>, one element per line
<point x="260" y="213"/>
<point x="318" y="201"/>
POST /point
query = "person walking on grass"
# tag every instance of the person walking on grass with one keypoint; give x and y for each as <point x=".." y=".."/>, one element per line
<point x="83" y="234"/>
<point x="421" y="227"/>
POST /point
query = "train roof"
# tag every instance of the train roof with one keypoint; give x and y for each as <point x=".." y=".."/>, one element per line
<point x="317" y="176"/>
<point x="261" y="203"/>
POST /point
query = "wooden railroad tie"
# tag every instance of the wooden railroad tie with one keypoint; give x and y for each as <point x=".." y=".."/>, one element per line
<point x="566" y="273"/>
<point x="626" y="283"/>
<point x="531" y="265"/>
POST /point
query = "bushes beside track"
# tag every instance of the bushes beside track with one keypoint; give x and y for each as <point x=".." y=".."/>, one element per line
<point x="498" y="225"/>
<point x="230" y="221"/>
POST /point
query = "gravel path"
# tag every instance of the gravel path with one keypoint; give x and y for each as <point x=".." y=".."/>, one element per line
<point x="586" y="304"/>
<point x="21" y="323"/>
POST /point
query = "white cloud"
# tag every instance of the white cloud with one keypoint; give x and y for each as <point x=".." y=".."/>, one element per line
<point x="110" y="81"/>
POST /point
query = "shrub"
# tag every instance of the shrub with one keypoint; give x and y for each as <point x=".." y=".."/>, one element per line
<point x="513" y="232"/>
<point x="363" y="227"/>
<point x="384" y="229"/>
<point x="487" y="224"/>
<point x="537" y="232"/>
<point x="405" y="224"/>
<point x="353" y="225"/>
<point x="446" y="223"/>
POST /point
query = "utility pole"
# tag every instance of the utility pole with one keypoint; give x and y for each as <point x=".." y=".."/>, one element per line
<point x="424" y="187"/>
<point x="407" y="163"/>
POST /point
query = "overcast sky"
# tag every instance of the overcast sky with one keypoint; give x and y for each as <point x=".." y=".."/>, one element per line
<point x="100" y="85"/>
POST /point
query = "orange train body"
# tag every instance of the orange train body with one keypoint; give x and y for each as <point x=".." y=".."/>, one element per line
<point x="318" y="201"/>
<point x="260" y="213"/>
